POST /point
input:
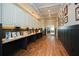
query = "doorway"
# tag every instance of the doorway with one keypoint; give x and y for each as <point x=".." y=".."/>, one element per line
<point x="50" y="30"/>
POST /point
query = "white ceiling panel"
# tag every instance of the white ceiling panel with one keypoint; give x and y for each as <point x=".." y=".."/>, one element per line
<point x="42" y="9"/>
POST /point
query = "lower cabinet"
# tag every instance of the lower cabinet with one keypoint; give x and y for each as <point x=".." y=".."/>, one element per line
<point x="0" y="42"/>
<point x="10" y="48"/>
<point x="0" y="50"/>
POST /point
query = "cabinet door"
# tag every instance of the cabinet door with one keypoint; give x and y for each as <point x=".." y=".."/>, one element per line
<point x="0" y="40"/>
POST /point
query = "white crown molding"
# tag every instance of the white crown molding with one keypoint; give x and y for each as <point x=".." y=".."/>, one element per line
<point x="27" y="9"/>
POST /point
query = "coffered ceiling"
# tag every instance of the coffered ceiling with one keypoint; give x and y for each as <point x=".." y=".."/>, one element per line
<point x="46" y="10"/>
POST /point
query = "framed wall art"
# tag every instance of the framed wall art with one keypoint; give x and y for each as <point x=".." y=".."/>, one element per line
<point x="65" y="10"/>
<point x="77" y="13"/>
<point x="76" y="3"/>
<point x="66" y="19"/>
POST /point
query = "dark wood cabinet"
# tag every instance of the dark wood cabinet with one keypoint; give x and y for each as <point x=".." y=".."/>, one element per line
<point x="0" y="39"/>
<point x="10" y="48"/>
<point x="0" y="42"/>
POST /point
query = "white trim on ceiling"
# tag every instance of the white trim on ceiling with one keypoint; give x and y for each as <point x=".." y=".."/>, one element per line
<point x="47" y="6"/>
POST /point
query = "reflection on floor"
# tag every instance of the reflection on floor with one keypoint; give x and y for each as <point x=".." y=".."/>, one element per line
<point x="46" y="46"/>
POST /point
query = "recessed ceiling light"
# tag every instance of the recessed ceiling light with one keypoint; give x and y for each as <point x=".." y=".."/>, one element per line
<point x="48" y="10"/>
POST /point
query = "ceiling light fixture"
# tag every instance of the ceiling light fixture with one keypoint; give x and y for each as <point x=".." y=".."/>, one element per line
<point x="48" y="10"/>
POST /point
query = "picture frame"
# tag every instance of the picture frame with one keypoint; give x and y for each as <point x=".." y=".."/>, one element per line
<point x="65" y="10"/>
<point x="77" y="13"/>
<point x="14" y="34"/>
<point x="18" y="33"/>
<point x="66" y="19"/>
<point x="8" y="35"/>
<point x="76" y="3"/>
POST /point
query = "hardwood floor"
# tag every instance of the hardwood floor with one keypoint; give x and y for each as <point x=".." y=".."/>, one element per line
<point x="46" y="46"/>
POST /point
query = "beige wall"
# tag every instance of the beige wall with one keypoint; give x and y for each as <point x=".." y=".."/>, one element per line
<point x="71" y="15"/>
<point x="47" y="22"/>
<point x="0" y="12"/>
<point x="12" y="15"/>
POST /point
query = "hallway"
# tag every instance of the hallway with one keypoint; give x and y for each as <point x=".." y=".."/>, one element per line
<point x="46" y="46"/>
<point x="39" y="29"/>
